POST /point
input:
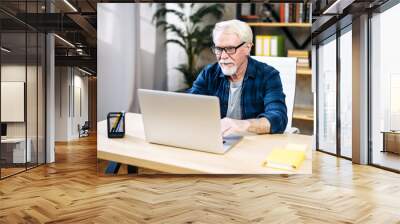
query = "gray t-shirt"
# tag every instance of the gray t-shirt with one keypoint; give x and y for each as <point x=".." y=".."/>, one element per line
<point x="234" y="105"/>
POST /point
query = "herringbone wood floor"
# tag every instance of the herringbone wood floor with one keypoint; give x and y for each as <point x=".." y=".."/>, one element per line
<point x="71" y="191"/>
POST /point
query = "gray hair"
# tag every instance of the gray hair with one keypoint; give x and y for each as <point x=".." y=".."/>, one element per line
<point x="235" y="26"/>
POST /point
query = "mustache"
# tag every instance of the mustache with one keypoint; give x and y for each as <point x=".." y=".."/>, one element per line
<point x="226" y="62"/>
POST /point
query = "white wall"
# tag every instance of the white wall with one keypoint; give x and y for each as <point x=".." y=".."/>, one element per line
<point x="61" y="114"/>
<point x="67" y="114"/>
<point x="147" y="46"/>
<point x="130" y="55"/>
<point x="117" y="57"/>
<point x="79" y="117"/>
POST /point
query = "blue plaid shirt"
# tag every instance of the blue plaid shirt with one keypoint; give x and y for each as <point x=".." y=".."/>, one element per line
<point x="262" y="94"/>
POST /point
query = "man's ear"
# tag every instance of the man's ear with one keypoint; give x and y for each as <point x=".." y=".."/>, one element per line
<point x="249" y="45"/>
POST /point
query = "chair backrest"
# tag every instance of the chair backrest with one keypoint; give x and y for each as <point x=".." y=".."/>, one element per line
<point x="287" y="70"/>
<point x="86" y="125"/>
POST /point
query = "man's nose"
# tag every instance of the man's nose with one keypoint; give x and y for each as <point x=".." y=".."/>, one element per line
<point x="224" y="55"/>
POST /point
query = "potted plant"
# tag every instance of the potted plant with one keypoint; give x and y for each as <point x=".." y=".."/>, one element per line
<point x="194" y="35"/>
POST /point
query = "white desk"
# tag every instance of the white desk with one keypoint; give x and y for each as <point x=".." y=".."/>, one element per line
<point x="19" y="149"/>
<point x="245" y="158"/>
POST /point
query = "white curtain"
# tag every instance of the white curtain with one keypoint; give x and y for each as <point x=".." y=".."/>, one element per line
<point x="130" y="55"/>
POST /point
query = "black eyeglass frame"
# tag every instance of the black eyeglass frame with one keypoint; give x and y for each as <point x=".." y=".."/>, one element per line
<point x="228" y="50"/>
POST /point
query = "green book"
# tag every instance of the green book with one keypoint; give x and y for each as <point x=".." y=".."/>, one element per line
<point x="277" y="46"/>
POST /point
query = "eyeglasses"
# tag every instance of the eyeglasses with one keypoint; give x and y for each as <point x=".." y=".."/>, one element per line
<point x="229" y="50"/>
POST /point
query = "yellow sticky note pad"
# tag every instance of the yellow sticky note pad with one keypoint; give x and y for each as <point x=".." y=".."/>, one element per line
<point x="289" y="158"/>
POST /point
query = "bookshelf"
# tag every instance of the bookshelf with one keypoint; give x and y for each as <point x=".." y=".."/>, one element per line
<point x="304" y="72"/>
<point x="270" y="21"/>
<point x="276" y="24"/>
<point x="303" y="113"/>
<point x="303" y="118"/>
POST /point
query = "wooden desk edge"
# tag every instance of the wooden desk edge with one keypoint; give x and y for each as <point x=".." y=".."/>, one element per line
<point x="171" y="169"/>
<point x="146" y="163"/>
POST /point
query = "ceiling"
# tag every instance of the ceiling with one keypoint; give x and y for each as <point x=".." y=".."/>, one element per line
<point x="74" y="22"/>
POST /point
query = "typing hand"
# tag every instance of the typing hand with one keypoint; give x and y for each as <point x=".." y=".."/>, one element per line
<point x="229" y="126"/>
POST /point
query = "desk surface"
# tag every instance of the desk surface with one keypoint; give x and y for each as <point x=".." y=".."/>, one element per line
<point x="244" y="158"/>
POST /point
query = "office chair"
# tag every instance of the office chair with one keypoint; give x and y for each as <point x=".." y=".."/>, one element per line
<point x="287" y="71"/>
<point x="84" y="130"/>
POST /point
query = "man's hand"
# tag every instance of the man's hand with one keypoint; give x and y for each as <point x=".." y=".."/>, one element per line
<point x="258" y="126"/>
<point x="229" y="126"/>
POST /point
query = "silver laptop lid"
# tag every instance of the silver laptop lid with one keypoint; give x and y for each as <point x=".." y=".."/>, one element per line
<point x="181" y="120"/>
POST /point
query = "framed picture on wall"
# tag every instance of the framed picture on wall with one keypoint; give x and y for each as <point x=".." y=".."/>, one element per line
<point x="12" y="101"/>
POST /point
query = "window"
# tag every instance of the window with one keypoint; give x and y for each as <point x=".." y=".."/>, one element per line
<point x="22" y="64"/>
<point x="385" y="89"/>
<point x="346" y="92"/>
<point x="327" y="96"/>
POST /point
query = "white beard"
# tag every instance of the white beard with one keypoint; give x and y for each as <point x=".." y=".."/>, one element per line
<point x="229" y="71"/>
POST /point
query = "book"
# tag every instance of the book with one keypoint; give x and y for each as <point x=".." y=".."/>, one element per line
<point x="247" y="12"/>
<point x="259" y="45"/>
<point x="294" y="13"/>
<point x="286" y="12"/>
<point x="266" y="46"/>
<point x="299" y="18"/>
<point x="303" y="57"/>
<point x="298" y="53"/>
<point x="270" y="45"/>
<point x="282" y="12"/>
<point x="274" y="46"/>
<point x="303" y="61"/>
<point x="250" y="18"/>
<point x="245" y="9"/>
<point x="289" y="158"/>
<point x="277" y="46"/>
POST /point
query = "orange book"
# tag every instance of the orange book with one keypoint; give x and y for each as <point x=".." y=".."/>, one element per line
<point x="282" y="12"/>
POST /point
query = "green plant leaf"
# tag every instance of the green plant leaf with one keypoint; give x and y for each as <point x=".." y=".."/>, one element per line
<point x="193" y="37"/>
<point x="189" y="74"/>
<point x="162" y="12"/>
<point x="180" y="43"/>
<point x="206" y="40"/>
<point x="178" y="31"/>
<point x="216" y="10"/>
<point x="181" y="5"/>
<point x="161" y="23"/>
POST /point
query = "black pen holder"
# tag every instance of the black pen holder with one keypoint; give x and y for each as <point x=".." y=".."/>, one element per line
<point x="116" y="124"/>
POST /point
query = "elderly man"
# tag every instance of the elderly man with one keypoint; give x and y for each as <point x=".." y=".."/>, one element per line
<point x="250" y="92"/>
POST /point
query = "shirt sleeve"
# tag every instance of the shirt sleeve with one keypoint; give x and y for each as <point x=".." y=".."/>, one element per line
<point x="274" y="104"/>
<point x="200" y="84"/>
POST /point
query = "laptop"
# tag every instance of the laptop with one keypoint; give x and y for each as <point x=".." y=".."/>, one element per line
<point x="184" y="120"/>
